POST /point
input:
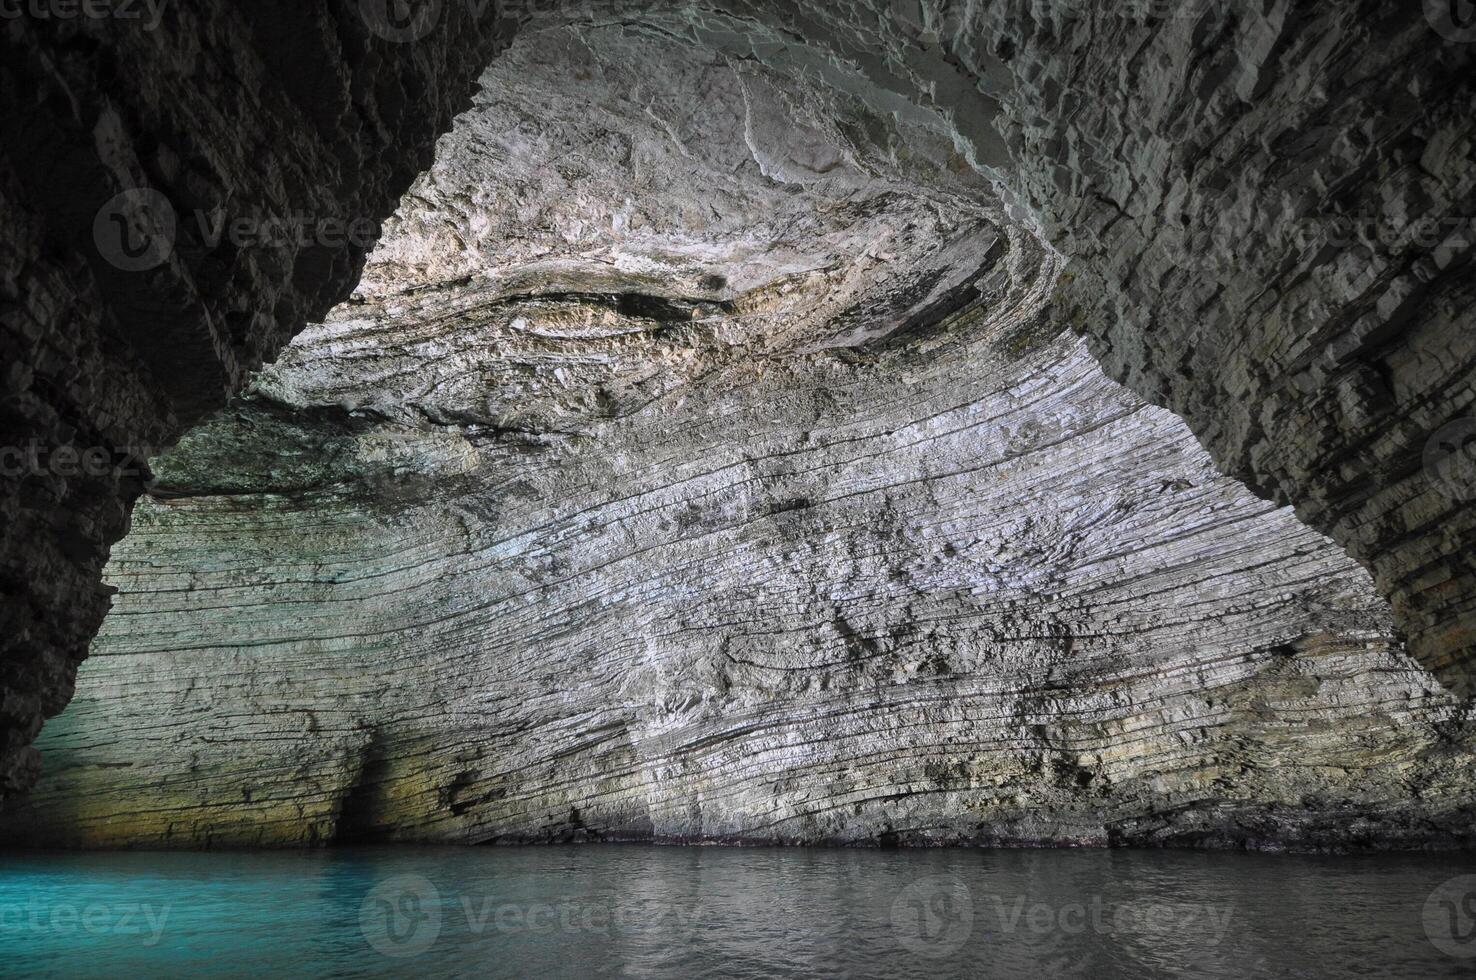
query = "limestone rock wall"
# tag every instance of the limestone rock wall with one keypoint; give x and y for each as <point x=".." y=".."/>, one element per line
<point x="946" y="594"/>
<point x="775" y="502"/>
<point x="1270" y="209"/>
<point x="1266" y="208"/>
<point x="182" y="188"/>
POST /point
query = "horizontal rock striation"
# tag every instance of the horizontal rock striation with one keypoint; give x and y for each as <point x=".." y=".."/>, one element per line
<point x="1270" y="210"/>
<point x="182" y="188"/>
<point x="945" y="596"/>
<point x="776" y="502"/>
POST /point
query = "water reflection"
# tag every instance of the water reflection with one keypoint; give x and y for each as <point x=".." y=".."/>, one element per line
<point x="694" y="912"/>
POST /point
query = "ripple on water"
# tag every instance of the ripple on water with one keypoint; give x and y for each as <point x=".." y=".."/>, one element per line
<point x="736" y="912"/>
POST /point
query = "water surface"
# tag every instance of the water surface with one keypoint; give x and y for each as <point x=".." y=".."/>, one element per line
<point x="735" y="912"/>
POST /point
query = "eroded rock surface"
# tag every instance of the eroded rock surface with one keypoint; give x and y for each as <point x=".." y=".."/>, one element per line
<point x="135" y="136"/>
<point x="1270" y="209"/>
<point x="774" y="501"/>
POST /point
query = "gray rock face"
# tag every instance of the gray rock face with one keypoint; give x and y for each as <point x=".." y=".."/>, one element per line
<point x="182" y="188"/>
<point x="1270" y="210"/>
<point x="726" y="474"/>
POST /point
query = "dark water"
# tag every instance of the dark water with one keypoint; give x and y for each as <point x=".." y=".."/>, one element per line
<point x="695" y="912"/>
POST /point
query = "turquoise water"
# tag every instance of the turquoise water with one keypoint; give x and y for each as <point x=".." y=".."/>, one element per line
<point x="735" y="912"/>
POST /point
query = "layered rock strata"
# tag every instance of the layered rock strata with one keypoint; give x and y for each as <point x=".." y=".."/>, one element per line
<point x="182" y="188"/>
<point x="1268" y="207"/>
<point x="725" y="474"/>
<point x="1270" y="210"/>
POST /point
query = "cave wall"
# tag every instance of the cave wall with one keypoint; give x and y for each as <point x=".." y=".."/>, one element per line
<point x="1270" y="209"/>
<point x="1263" y="204"/>
<point x="723" y="469"/>
<point x="182" y="188"/>
<point x="961" y="591"/>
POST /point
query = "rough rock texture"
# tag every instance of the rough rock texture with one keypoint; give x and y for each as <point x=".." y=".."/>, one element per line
<point x="1270" y="209"/>
<point x="1267" y="207"/>
<point x="182" y="187"/>
<point x="726" y="474"/>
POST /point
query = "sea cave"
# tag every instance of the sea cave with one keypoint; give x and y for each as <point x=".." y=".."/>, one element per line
<point x="865" y="488"/>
